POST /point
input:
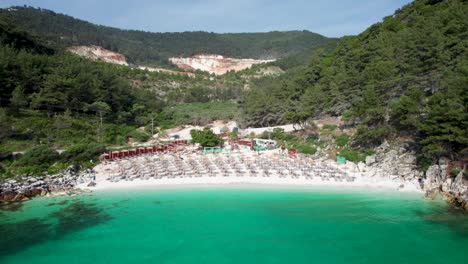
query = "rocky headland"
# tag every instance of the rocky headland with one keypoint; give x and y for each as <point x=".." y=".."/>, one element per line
<point x="399" y="163"/>
<point x="23" y="188"/>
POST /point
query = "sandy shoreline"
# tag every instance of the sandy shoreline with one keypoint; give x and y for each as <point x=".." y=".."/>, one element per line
<point x="241" y="169"/>
<point x="245" y="182"/>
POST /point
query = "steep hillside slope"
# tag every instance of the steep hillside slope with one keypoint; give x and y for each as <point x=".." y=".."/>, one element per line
<point x="146" y="48"/>
<point x="98" y="53"/>
<point x="408" y="74"/>
<point x="56" y="98"/>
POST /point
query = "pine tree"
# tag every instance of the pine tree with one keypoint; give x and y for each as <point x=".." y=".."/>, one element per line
<point x="18" y="99"/>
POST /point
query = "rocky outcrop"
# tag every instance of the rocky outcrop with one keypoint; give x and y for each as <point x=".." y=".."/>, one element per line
<point x="99" y="53"/>
<point x="25" y="187"/>
<point x="397" y="164"/>
<point x="454" y="190"/>
<point x="216" y="64"/>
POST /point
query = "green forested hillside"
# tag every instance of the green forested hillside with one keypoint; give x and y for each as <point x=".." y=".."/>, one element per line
<point x="155" y="48"/>
<point x="50" y="99"/>
<point x="55" y="99"/>
<point x="407" y="75"/>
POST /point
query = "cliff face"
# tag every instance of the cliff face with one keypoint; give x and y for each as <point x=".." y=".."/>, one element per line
<point x="216" y="64"/>
<point x="99" y="53"/>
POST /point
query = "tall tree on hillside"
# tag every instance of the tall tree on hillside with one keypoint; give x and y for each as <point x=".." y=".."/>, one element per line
<point x="370" y="112"/>
<point x="445" y="124"/>
<point x="18" y="99"/>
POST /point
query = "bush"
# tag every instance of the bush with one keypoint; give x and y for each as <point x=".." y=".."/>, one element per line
<point x="329" y="127"/>
<point x="38" y="156"/>
<point x="454" y="173"/>
<point x="233" y="134"/>
<point x="279" y="134"/>
<point x="355" y="155"/>
<point x="370" y="136"/>
<point x="342" y="140"/>
<point x="139" y="135"/>
<point x="38" y="159"/>
<point x="205" y="137"/>
<point x="424" y="162"/>
<point x="306" y="149"/>
<point x="57" y="167"/>
<point x="116" y="134"/>
<point x="82" y="152"/>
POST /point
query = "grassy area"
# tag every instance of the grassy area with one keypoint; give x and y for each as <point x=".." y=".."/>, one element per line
<point x="202" y="113"/>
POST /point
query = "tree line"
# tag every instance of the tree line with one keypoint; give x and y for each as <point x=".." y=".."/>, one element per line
<point x="406" y="75"/>
<point x="145" y="48"/>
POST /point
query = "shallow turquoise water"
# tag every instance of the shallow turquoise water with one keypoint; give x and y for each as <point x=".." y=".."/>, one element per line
<point x="234" y="225"/>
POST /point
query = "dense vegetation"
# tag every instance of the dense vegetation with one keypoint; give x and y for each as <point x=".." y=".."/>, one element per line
<point x="146" y="48"/>
<point x="405" y="76"/>
<point x="56" y="100"/>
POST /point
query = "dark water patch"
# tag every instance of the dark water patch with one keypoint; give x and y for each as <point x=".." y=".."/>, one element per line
<point x="157" y="202"/>
<point x="63" y="202"/>
<point x="449" y="216"/>
<point x="15" y="237"/>
<point x="78" y="215"/>
<point x="51" y="204"/>
<point x="119" y="203"/>
<point x="11" y="207"/>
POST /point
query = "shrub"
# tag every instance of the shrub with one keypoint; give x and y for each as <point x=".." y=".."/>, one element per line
<point x="370" y="136"/>
<point x="233" y="134"/>
<point x="329" y="127"/>
<point x="57" y="167"/>
<point x="306" y="149"/>
<point x="116" y="134"/>
<point x="82" y="152"/>
<point x="279" y="134"/>
<point x="139" y="135"/>
<point x="38" y="158"/>
<point x="342" y="140"/>
<point x="355" y="155"/>
<point x="205" y="137"/>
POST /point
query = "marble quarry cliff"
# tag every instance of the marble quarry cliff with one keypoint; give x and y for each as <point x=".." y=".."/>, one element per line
<point x="216" y="64"/>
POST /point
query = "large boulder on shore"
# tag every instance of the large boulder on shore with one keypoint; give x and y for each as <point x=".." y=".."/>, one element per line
<point x="435" y="176"/>
<point x="7" y="196"/>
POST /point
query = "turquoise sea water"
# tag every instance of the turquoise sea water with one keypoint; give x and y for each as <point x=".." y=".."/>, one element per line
<point x="234" y="225"/>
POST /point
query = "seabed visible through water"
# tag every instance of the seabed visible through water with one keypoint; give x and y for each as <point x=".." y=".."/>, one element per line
<point x="234" y="225"/>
